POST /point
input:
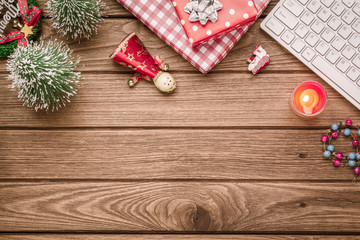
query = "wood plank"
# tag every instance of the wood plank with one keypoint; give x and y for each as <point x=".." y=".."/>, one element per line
<point x="117" y="10"/>
<point x="95" y="53"/>
<point x="168" y="154"/>
<point x="172" y="237"/>
<point x="253" y="207"/>
<point x="237" y="100"/>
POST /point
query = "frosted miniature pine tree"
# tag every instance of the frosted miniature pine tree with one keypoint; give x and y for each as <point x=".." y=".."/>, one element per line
<point x="44" y="74"/>
<point x="76" y="18"/>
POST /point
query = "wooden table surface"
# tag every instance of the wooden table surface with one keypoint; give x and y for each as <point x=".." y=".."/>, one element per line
<point x="222" y="158"/>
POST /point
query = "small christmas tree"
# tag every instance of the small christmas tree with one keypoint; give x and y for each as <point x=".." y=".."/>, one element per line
<point x="44" y="74"/>
<point x="76" y="18"/>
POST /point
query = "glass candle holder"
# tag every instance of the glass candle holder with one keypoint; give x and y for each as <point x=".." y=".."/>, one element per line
<point x="308" y="99"/>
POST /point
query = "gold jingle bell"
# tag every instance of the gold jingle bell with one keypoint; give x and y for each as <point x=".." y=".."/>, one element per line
<point x="165" y="67"/>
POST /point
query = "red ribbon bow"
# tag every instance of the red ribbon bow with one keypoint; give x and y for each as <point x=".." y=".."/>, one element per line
<point x="29" y="19"/>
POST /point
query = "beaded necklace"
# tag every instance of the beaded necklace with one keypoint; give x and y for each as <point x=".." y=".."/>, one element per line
<point x="353" y="158"/>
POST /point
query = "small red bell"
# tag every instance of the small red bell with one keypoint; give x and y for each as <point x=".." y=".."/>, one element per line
<point x="132" y="53"/>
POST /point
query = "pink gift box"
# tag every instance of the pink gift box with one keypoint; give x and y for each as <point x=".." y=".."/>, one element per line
<point x="234" y="14"/>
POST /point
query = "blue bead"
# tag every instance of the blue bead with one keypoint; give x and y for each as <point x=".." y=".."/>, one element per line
<point x="358" y="156"/>
<point x="331" y="148"/>
<point x="352" y="156"/>
<point x="359" y="132"/>
<point x="351" y="163"/>
<point x="347" y="132"/>
<point x="334" y="126"/>
<point x="327" y="154"/>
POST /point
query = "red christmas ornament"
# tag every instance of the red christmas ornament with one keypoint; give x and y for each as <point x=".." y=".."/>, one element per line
<point x="132" y="53"/>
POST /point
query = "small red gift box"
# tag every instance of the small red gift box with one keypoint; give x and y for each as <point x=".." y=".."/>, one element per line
<point x="234" y="14"/>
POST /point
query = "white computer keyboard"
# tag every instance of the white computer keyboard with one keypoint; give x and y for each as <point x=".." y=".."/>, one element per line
<point x="325" y="36"/>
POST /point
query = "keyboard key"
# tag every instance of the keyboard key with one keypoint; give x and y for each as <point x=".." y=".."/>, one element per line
<point x="303" y="2"/>
<point x="322" y="48"/>
<point x="353" y="74"/>
<point x="301" y="30"/>
<point x="338" y="43"/>
<point x="356" y="9"/>
<point x="356" y="61"/>
<point x="348" y="52"/>
<point x="354" y="40"/>
<point x="312" y="39"/>
<point x="348" y="17"/>
<point x="345" y="31"/>
<point x="332" y="56"/>
<point x="348" y="3"/>
<point x="327" y="3"/>
<point x="334" y="23"/>
<point x="275" y="26"/>
<point x="298" y="45"/>
<point x="287" y="37"/>
<point x="317" y="26"/>
<point x="356" y="26"/>
<point x="308" y="54"/>
<point x="337" y="8"/>
<point x="286" y="18"/>
<point x="324" y="14"/>
<point x="326" y="69"/>
<point x="307" y="18"/>
<point x="314" y="6"/>
<point x="358" y="83"/>
<point x="328" y="35"/>
<point x="343" y="65"/>
<point x="293" y="7"/>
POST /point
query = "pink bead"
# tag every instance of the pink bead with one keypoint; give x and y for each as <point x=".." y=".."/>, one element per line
<point x="348" y="122"/>
<point x="334" y="134"/>
<point x="336" y="163"/>
<point x="356" y="171"/>
<point x="324" y="138"/>
<point x="339" y="156"/>
<point x="355" y="142"/>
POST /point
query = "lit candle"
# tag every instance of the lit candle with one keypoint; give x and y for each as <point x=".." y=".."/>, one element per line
<point x="309" y="99"/>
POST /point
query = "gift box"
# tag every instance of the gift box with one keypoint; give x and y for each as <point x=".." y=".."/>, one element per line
<point x="205" y="20"/>
<point x="160" y="16"/>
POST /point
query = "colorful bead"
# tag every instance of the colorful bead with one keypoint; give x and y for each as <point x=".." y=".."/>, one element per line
<point x="348" y="122"/>
<point x="353" y="159"/>
<point x="351" y="163"/>
<point x="331" y="148"/>
<point x="347" y="132"/>
<point x="334" y="134"/>
<point x="352" y="156"/>
<point x="339" y="155"/>
<point x="327" y="154"/>
<point x="336" y="163"/>
<point x="334" y="127"/>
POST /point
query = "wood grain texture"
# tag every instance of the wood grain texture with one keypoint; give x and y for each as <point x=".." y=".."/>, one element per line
<point x="168" y="154"/>
<point x="172" y="237"/>
<point x="95" y="53"/>
<point x="240" y="100"/>
<point x="252" y="207"/>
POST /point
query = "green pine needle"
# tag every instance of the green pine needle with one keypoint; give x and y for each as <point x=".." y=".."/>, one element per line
<point x="76" y="18"/>
<point x="44" y="73"/>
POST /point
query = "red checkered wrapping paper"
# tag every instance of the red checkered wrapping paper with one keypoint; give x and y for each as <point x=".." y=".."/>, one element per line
<point x="160" y="16"/>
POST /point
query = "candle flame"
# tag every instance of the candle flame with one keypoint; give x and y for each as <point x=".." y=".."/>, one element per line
<point x="309" y="99"/>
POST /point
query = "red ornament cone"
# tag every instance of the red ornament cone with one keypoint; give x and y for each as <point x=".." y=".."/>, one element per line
<point x="132" y="53"/>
